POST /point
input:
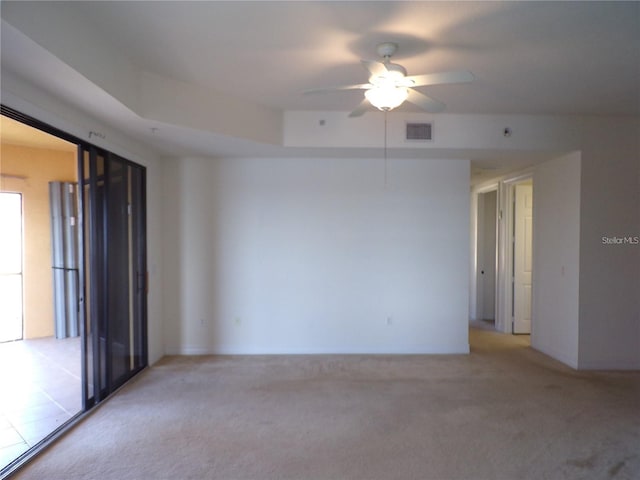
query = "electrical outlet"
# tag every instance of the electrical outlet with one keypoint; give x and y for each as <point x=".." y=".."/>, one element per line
<point x="389" y="320"/>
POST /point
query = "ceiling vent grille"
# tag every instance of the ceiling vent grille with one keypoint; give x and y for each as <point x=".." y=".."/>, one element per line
<point x="419" y="131"/>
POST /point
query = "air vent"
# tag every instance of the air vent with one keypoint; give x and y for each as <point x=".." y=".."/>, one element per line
<point x="419" y="131"/>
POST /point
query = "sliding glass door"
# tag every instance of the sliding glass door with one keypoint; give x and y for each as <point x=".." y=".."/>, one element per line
<point x="115" y="271"/>
<point x="97" y="225"/>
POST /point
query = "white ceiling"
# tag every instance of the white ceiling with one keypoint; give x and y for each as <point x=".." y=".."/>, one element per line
<point x="13" y="132"/>
<point x="528" y="57"/>
<point x="552" y="58"/>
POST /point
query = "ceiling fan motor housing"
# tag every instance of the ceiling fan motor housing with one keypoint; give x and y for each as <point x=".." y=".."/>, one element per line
<point x="394" y="71"/>
<point x="387" y="49"/>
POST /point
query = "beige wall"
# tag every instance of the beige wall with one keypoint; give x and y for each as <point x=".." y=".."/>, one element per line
<point x="39" y="166"/>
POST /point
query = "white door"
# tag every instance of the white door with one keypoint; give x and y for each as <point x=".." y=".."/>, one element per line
<point x="522" y="259"/>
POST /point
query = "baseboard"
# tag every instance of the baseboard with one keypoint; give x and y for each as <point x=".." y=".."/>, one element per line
<point x="610" y="365"/>
<point x="597" y="365"/>
<point x="569" y="361"/>
<point x="238" y="350"/>
<point x="190" y="351"/>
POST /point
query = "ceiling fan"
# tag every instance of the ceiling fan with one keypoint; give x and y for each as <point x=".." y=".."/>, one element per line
<point x="389" y="86"/>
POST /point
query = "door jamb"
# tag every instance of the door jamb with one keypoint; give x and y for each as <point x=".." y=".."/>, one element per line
<point x="505" y="251"/>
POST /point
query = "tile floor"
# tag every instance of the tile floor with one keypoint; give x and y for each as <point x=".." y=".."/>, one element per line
<point x="40" y="389"/>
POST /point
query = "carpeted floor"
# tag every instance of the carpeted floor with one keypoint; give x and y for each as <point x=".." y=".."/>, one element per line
<point x="502" y="412"/>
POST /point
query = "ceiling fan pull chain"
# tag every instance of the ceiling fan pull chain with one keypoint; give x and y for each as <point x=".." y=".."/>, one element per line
<point x="386" y="112"/>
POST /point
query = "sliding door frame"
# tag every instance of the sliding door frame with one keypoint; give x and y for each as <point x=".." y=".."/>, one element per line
<point x="99" y="182"/>
<point x="95" y="305"/>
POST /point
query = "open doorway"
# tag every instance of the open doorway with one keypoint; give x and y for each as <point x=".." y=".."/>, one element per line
<point x="84" y="277"/>
<point x="486" y="252"/>
<point x="40" y="371"/>
<point x="502" y="255"/>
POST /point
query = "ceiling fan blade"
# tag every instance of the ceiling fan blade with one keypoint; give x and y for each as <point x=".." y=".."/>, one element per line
<point x="360" y="109"/>
<point x="360" y="86"/>
<point x="424" y="102"/>
<point x="376" y="69"/>
<point x="439" y="78"/>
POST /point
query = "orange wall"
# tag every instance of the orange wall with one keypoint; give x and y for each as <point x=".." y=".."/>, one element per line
<point x="39" y="166"/>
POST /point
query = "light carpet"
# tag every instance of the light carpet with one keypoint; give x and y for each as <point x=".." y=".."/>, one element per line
<point x="503" y="412"/>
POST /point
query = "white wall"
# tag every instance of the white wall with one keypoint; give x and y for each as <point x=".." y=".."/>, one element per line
<point x="556" y="258"/>
<point x="531" y="133"/>
<point x="610" y="274"/>
<point x="188" y="206"/>
<point x="315" y="255"/>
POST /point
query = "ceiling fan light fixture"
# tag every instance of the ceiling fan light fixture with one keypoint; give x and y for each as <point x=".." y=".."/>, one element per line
<point x="386" y="97"/>
<point x="389" y="86"/>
